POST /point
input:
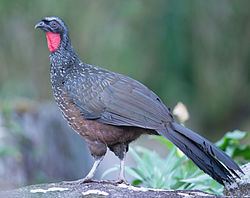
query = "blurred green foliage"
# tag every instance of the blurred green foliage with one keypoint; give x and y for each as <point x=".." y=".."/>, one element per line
<point x="232" y="144"/>
<point x="8" y="148"/>
<point x="194" y="51"/>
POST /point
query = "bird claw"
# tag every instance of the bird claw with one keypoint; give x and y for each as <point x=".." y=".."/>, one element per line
<point x="122" y="181"/>
<point x="77" y="182"/>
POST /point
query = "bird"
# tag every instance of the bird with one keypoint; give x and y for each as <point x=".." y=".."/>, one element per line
<point x="110" y="110"/>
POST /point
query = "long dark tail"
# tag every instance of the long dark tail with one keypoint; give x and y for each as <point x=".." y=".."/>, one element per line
<point x="203" y="153"/>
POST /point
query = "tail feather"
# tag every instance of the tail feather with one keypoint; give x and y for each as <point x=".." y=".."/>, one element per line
<point x="203" y="153"/>
<point x="207" y="147"/>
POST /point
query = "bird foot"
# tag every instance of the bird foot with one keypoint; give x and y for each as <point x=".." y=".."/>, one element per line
<point x="78" y="182"/>
<point x="89" y="180"/>
<point x="122" y="181"/>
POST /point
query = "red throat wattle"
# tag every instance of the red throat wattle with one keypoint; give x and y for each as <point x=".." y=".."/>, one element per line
<point x="53" y="41"/>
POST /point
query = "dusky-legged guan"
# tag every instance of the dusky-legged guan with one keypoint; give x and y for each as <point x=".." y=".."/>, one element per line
<point x="110" y="110"/>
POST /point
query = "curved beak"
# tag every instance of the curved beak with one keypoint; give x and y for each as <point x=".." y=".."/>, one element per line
<point x="41" y="25"/>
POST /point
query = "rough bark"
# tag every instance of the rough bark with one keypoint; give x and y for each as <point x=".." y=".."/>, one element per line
<point x="98" y="189"/>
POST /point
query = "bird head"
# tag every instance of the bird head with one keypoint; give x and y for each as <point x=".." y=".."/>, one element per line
<point x="56" y="32"/>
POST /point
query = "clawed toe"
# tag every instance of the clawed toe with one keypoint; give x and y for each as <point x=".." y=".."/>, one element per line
<point x="122" y="181"/>
<point x="77" y="182"/>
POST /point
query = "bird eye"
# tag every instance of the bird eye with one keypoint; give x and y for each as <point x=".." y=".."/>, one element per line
<point x="53" y="24"/>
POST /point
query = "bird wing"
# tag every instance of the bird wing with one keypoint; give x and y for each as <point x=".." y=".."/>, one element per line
<point x="116" y="99"/>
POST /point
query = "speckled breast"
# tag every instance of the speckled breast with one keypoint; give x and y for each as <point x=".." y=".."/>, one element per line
<point x="90" y="129"/>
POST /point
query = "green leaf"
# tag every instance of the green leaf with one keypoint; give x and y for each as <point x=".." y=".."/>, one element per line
<point x="236" y="135"/>
<point x="134" y="173"/>
<point x="136" y="182"/>
<point x="243" y="151"/>
<point x="197" y="179"/>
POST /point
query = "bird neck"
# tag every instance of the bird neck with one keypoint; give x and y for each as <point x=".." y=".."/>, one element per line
<point x="65" y="42"/>
<point x="62" y="62"/>
<point x="63" y="58"/>
<point x="64" y="55"/>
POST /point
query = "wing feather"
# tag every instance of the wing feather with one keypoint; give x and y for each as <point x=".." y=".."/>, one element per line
<point x="119" y="100"/>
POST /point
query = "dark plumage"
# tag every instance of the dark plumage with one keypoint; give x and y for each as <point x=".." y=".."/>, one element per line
<point x="110" y="110"/>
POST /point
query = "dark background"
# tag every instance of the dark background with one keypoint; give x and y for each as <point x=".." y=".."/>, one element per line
<point x="196" y="52"/>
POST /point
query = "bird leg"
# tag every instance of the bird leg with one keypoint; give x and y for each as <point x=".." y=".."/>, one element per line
<point x="120" y="151"/>
<point x="121" y="178"/>
<point x="90" y="175"/>
<point x="92" y="171"/>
